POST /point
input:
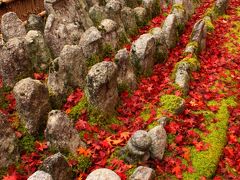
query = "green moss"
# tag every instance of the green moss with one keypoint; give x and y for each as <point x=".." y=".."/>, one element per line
<point x="177" y="6"/>
<point x="26" y="143"/>
<point x="94" y="59"/>
<point x="208" y="23"/>
<point x="77" y="110"/>
<point x="84" y="162"/>
<point x="123" y="39"/>
<point x="107" y="50"/>
<point x="212" y="103"/>
<point x="171" y="103"/>
<point x="131" y="171"/>
<point x="193" y="62"/>
<point x="232" y="41"/>
<point x="145" y="114"/>
<point x="152" y="125"/>
<point x="205" y="162"/>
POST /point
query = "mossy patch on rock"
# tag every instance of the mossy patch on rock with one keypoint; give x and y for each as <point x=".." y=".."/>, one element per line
<point x="209" y="24"/>
<point x="172" y="103"/>
<point x="205" y="162"/>
<point x="193" y="62"/>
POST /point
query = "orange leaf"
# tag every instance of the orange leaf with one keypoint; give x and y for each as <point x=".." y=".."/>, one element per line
<point x="83" y="151"/>
<point x="125" y="135"/>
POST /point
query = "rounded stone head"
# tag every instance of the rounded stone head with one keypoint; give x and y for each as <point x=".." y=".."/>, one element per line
<point x="141" y="140"/>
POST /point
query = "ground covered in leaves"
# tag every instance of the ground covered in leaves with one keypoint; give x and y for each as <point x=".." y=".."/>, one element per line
<point x="203" y="141"/>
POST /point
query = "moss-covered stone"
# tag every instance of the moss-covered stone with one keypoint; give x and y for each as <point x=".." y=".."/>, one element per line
<point x="209" y="24"/>
<point x="193" y="62"/>
<point x="172" y="103"/>
<point x="205" y="162"/>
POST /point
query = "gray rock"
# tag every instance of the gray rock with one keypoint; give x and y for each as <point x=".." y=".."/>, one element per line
<point x="159" y="141"/>
<point x="101" y="87"/>
<point x="60" y="132"/>
<point x="141" y="15"/>
<point x="40" y="175"/>
<point x="137" y="148"/>
<point x="66" y="71"/>
<point x="32" y="101"/>
<point x="12" y="26"/>
<point x="109" y="31"/>
<point x="103" y="174"/>
<point x="161" y="49"/>
<point x="15" y="63"/>
<point x="65" y="24"/>
<point x="97" y="14"/>
<point x="199" y="34"/>
<point x="143" y="53"/>
<point x="188" y="5"/>
<point x="126" y="75"/>
<point x="141" y="140"/>
<point x="163" y="121"/>
<point x="35" y="22"/>
<point x="8" y="147"/>
<point x="191" y="48"/>
<point x="221" y="6"/>
<point x="182" y="77"/>
<point x="143" y="173"/>
<point x="129" y="20"/>
<point x="91" y="42"/>
<point x="37" y="50"/>
<point x="57" y="166"/>
<point x="152" y="7"/>
<point x="113" y="10"/>
<point x="170" y="31"/>
<point x="181" y="18"/>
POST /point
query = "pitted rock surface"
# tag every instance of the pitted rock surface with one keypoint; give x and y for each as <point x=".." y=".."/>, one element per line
<point x="60" y="132"/>
<point x="170" y="32"/>
<point x="40" y="175"/>
<point x="65" y="24"/>
<point x="143" y="53"/>
<point x="68" y="70"/>
<point x="159" y="141"/>
<point x="199" y="34"/>
<point x="12" y="26"/>
<point x="8" y="146"/>
<point x="143" y="173"/>
<point x="103" y="174"/>
<point x="15" y="63"/>
<point x="141" y="140"/>
<point x="91" y="42"/>
<point x="32" y="101"/>
<point x="35" y="22"/>
<point x="57" y="166"/>
<point x="101" y="86"/>
<point x="38" y="51"/>
<point x="126" y="75"/>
